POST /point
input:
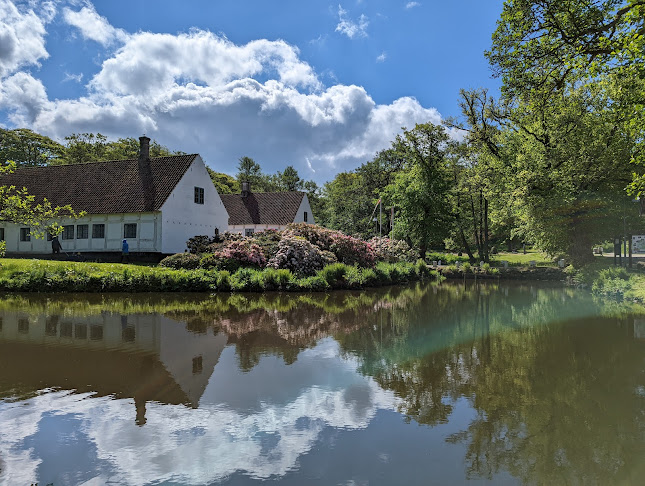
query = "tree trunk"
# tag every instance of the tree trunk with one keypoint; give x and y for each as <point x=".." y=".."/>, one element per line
<point x="486" y="250"/>
<point x="464" y="241"/>
<point x="580" y="249"/>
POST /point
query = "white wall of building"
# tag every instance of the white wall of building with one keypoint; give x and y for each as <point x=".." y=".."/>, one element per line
<point x="241" y="228"/>
<point x="182" y="218"/>
<point x="304" y="208"/>
<point x="148" y="235"/>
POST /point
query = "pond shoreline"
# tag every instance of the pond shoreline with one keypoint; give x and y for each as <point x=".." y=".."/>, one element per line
<point x="511" y="273"/>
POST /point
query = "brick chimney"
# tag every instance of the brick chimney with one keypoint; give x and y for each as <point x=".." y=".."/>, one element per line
<point x="144" y="148"/>
<point x="145" y="173"/>
<point x="246" y="189"/>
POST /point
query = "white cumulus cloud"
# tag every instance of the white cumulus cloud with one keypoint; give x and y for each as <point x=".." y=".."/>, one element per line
<point x="382" y="57"/>
<point x="200" y="92"/>
<point x="93" y="26"/>
<point x="22" y="35"/>
<point x="351" y="28"/>
<point x="410" y="5"/>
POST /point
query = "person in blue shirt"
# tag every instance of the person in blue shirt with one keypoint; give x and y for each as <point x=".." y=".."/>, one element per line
<point x="125" y="252"/>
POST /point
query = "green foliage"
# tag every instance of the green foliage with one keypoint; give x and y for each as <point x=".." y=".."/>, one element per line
<point x="186" y="261"/>
<point x="81" y="148"/>
<point x="55" y="276"/>
<point x="348" y="204"/>
<point x="18" y="206"/>
<point x="27" y="148"/>
<point x="421" y="192"/>
<point x="224" y="183"/>
<point x="3" y="248"/>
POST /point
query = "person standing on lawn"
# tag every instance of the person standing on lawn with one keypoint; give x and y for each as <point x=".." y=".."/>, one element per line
<point x="125" y="252"/>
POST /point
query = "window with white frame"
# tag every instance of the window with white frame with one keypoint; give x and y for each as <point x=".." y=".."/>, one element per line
<point x="199" y="195"/>
<point x="130" y="230"/>
<point x="82" y="231"/>
<point x="306" y="216"/>
<point x="68" y="232"/>
<point x="249" y="232"/>
<point x="98" y="231"/>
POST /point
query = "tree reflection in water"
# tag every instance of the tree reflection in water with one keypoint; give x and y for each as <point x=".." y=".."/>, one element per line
<point x="558" y="395"/>
<point x="558" y="390"/>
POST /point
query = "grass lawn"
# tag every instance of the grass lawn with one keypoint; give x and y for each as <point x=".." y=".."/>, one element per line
<point x="10" y="265"/>
<point x="521" y="259"/>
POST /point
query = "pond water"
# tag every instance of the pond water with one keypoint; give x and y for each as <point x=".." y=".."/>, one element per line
<point x="503" y="383"/>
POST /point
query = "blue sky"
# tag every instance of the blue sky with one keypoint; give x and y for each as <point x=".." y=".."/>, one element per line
<point x="319" y="85"/>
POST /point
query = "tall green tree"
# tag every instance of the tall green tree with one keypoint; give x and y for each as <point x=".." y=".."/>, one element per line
<point x="348" y="205"/>
<point x="28" y="149"/>
<point x="289" y="179"/>
<point x="224" y="183"/>
<point x="421" y="191"/>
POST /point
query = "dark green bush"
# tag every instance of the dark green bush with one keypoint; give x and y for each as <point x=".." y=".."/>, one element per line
<point x="186" y="261"/>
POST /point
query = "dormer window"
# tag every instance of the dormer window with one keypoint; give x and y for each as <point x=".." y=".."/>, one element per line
<point x="199" y="195"/>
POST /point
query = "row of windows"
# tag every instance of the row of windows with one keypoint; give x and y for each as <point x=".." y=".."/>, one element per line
<point x="82" y="232"/>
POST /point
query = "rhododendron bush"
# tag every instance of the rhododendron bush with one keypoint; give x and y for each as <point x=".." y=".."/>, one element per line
<point x="389" y="250"/>
<point x="298" y="255"/>
<point x="302" y="248"/>
<point x="236" y="254"/>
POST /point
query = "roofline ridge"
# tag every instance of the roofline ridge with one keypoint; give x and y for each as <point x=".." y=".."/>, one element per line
<point x="105" y="161"/>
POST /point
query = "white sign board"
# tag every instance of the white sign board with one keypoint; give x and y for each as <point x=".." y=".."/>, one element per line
<point x="638" y="244"/>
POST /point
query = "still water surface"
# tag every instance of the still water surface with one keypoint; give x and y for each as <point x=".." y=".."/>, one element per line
<point x="483" y="384"/>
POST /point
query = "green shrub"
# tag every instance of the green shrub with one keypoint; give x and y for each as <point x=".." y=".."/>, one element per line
<point x="186" y="261"/>
<point x="334" y="274"/>
<point x="486" y="267"/>
<point x="466" y="267"/>
<point x="313" y="283"/>
<point x="246" y="279"/>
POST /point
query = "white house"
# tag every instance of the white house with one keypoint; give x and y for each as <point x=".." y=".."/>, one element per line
<point x="251" y="212"/>
<point x="157" y="204"/>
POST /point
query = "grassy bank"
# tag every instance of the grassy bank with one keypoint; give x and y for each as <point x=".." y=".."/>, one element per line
<point x="606" y="279"/>
<point x="55" y="276"/>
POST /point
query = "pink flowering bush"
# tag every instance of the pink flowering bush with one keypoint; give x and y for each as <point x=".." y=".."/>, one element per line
<point x="314" y="234"/>
<point x="347" y="249"/>
<point x="297" y="254"/>
<point x="353" y="251"/>
<point x="392" y="251"/>
<point x="235" y="254"/>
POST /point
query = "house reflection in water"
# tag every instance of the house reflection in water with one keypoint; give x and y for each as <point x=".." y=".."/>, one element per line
<point x="145" y="357"/>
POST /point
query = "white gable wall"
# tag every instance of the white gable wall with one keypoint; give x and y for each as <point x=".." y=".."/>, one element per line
<point x="182" y="218"/>
<point x="304" y="207"/>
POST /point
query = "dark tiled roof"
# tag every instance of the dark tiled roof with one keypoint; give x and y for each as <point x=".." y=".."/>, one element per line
<point x="117" y="186"/>
<point x="262" y="207"/>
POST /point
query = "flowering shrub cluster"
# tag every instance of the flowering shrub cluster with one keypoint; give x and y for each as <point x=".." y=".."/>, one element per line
<point x="316" y="235"/>
<point x="268" y="241"/>
<point x="302" y="248"/>
<point x="235" y="254"/>
<point x="389" y="250"/>
<point x="353" y="251"/>
<point x="348" y="250"/>
<point x="297" y="254"/>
